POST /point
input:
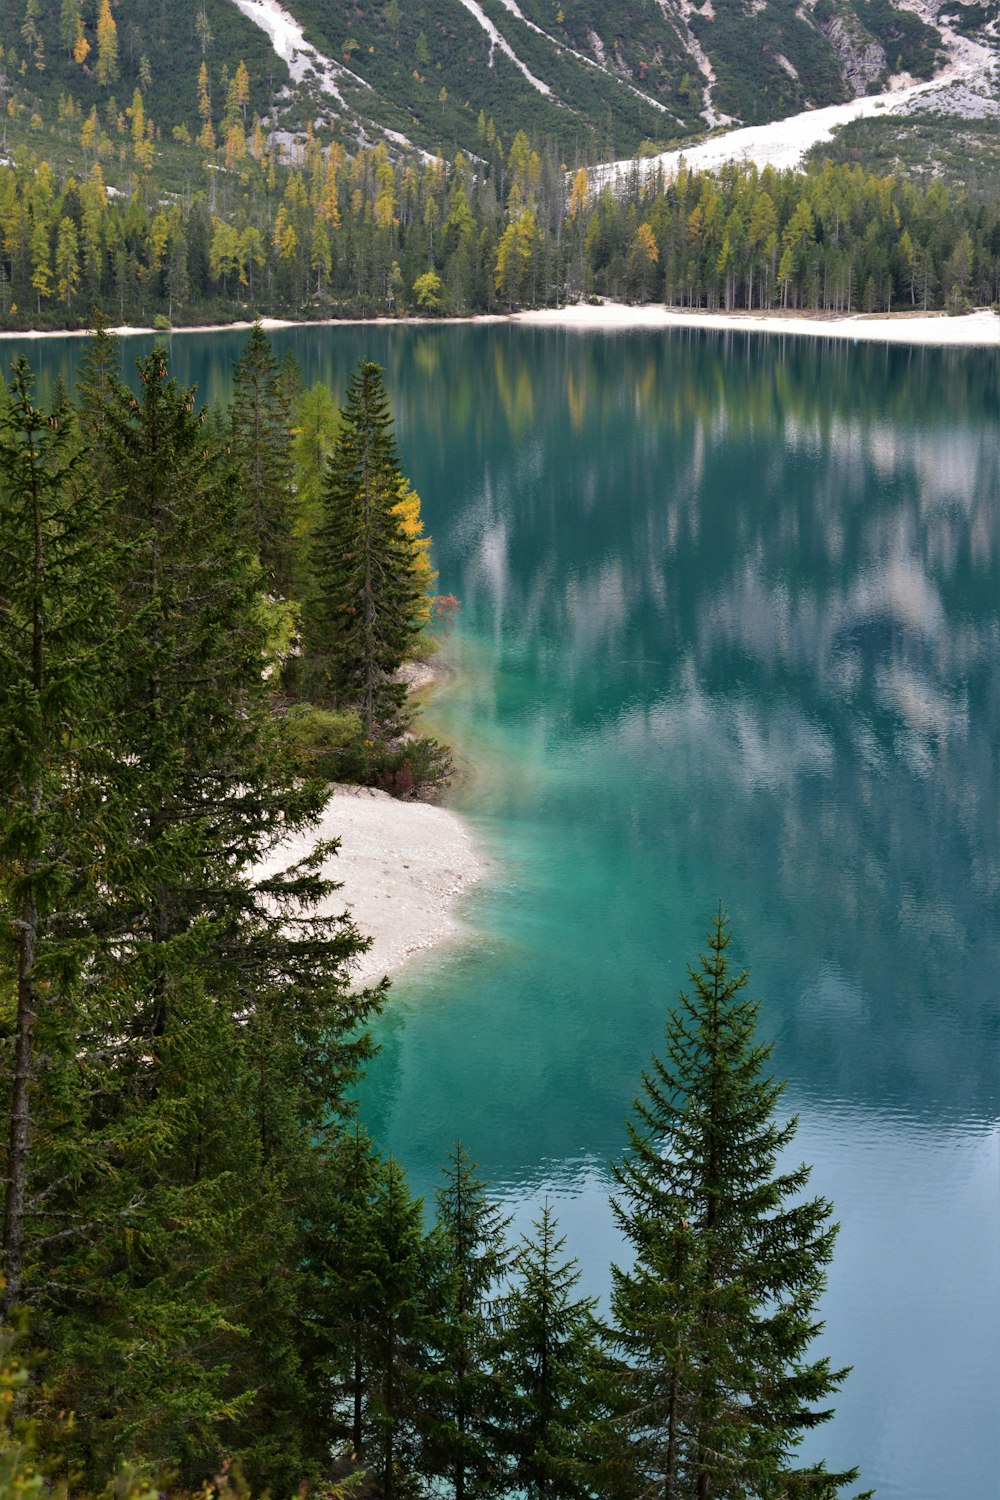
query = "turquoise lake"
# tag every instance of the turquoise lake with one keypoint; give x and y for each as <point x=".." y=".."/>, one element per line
<point x="730" y="629"/>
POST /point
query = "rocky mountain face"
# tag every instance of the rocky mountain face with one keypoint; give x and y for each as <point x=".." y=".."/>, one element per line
<point x="861" y="56"/>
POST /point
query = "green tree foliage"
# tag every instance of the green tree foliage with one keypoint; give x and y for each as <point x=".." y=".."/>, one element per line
<point x="392" y="1281"/>
<point x="460" y="1400"/>
<point x="555" y="1366"/>
<point x="342" y="1244"/>
<point x="260" y="446"/>
<point x="718" y="1311"/>
<point x="180" y="1152"/>
<point x="361" y="617"/>
<point x="56" y="647"/>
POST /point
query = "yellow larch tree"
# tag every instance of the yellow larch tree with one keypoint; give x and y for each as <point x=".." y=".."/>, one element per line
<point x="67" y="261"/>
<point x="579" y="194"/>
<point x="407" y="508"/>
<point x="90" y="131"/>
<point x="329" y="205"/>
<point x="385" y="188"/>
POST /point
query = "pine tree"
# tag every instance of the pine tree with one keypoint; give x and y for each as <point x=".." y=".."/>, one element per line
<point x="392" y="1284"/>
<point x="362" y="614"/>
<point x="58" y="808"/>
<point x="107" y="46"/>
<point x="718" y="1311"/>
<point x="554" y="1368"/>
<point x="217" y="1076"/>
<point x="460" y="1395"/>
<point x="260" y="444"/>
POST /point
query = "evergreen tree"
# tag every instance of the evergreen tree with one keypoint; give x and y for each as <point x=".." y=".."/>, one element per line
<point x="57" y="814"/>
<point x="460" y="1399"/>
<point x="362" y="614"/>
<point x="260" y="418"/>
<point x="343" y="1239"/>
<point x="554" y="1368"/>
<point x="216" y="1078"/>
<point x="718" y="1311"/>
<point x="392" y="1282"/>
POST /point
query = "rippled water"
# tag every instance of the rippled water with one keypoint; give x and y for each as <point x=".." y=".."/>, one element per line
<point x="731" y="628"/>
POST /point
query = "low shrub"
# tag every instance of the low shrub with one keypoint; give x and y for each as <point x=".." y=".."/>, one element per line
<point x="324" y="738"/>
<point x="405" y="769"/>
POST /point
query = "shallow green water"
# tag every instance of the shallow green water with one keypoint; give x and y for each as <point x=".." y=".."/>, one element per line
<point x="731" y="628"/>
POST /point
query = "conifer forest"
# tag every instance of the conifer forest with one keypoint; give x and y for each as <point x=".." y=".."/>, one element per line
<point x="212" y="1276"/>
<point x="328" y="236"/>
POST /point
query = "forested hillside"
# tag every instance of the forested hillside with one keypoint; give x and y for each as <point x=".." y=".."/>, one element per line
<point x="365" y="236"/>
<point x="165" y="163"/>
<point x="595" y="80"/>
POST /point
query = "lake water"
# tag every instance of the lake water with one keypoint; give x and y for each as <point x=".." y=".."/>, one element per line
<point x="730" y="628"/>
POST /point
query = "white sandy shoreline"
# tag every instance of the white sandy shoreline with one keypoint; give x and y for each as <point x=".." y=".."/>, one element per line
<point x="402" y="868"/>
<point x="972" y="330"/>
<point x="979" y="329"/>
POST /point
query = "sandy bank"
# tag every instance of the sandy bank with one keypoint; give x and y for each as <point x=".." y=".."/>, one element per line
<point x="133" y="330"/>
<point x="974" y="330"/>
<point x="402" y="867"/>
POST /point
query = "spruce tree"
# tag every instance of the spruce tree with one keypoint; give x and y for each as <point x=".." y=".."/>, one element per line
<point x="57" y="814"/>
<point x="260" y="422"/>
<point x="362" y="614"/>
<point x="217" y="1073"/>
<point x="343" y="1237"/>
<point x="392" y="1283"/>
<point x="555" y="1366"/>
<point x="717" y="1313"/>
<point x="460" y="1396"/>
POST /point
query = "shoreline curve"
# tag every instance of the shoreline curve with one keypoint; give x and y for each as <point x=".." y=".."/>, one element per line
<point x="975" y="330"/>
<point x="401" y="869"/>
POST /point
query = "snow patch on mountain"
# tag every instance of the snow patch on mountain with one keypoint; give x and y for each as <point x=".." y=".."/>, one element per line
<point x="496" y="40"/>
<point x="783" y="143"/>
<point x="288" y="41"/>
<point x="601" y="65"/>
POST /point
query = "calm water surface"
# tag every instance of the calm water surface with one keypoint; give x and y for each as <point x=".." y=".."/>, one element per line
<point x="731" y="627"/>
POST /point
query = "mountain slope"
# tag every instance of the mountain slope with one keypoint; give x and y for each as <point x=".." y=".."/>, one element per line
<point x="600" y="79"/>
<point x="597" y="79"/>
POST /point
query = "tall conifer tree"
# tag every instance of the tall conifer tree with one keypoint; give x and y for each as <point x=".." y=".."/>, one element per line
<point x="393" y="1281"/>
<point x="260" y="418"/>
<point x="363" y="611"/>
<point x="57" y="813"/>
<point x="342" y="1241"/>
<point x="460" y="1396"/>
<point x="554" y="1366"/>
<point x="718" y="1311"/>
